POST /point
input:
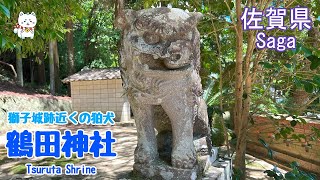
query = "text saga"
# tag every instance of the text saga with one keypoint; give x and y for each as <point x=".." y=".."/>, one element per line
<point x="280" y="43"/>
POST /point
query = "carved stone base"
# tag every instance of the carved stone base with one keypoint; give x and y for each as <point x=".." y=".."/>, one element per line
<point x="161" y="171"/>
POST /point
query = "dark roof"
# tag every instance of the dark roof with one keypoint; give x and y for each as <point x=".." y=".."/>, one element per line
<point x="94" y="74"/>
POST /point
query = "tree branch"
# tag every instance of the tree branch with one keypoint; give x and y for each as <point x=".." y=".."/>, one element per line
<point x="12" y="68"/>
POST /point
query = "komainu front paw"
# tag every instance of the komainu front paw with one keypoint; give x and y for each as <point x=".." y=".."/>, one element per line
<point x="145" y="155"/>
<point x="184" y="159"/>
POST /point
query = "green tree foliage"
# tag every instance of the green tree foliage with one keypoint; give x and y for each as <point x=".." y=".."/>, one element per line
<point x="5" y="8"/>
<point x="103" y="39"/>
<point x="96" y="41"/>
<point x="95" y="38"/>
<point x="217" y="131"/>
<point x="51" y="18"/>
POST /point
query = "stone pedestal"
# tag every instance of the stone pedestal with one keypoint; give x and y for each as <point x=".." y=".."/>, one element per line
<point x="205" y="170"/>
<point x="161" y="171"/>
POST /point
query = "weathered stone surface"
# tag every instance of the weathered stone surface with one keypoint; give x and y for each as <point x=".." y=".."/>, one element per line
<point x="160" y="61"/>
<point x="214" y="173"/>
<point x="160" y="171"/>
<point x="219" y="170"/>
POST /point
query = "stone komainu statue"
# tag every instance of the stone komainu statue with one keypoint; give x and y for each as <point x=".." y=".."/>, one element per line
<point x="160" y="61"/>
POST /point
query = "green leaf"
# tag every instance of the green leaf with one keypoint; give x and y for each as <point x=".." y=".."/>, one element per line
<point x="302" y="136"/>
<point x="293" y="123"/>
<point x="294" y="164"/>
<point x="270" y="153"/>
<point x="316" y="130"/>
<point x="306" y="51"/>
<point x="315" y="62"/>
<point x="3" y="42"/>
<point x="296" y="50"/>
<point x="278" y="136"/>
<point x="302" y="120"/>
<point x="267" y="65"/>
<point x="290" y="176"/>
<point x="316" y="52"/>
<point x="263" y="143"/>
<point x="316" y="80"/>
<point x="286" y="131"/>
<point x="4" y="10"/>
<point x="270" y="173"/>
<point x="60" y="35"/>
<point x="8" y="3"/>
<point x="11" y="45"/>
<point x="297" y="82"/>
<point x="312" y="138"/>
<point x="291" y="53"/>
<point x="290" y="69"/>
<point x="295" y="136"/>
<point x="289" y="66"/>
<point x="308" y="86"/>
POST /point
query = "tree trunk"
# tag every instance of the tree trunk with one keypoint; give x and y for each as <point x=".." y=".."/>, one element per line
<point x="238" y="70"/>
<point x="32" y="72"/>
<point x="119" y="23"/>
<point x="19" y="66"/>
<point x="51" y="67"/>
<point x="243" y="124"/>
<point x="299" y="102"/>
<point x="119" y="14"/>
<point x="70" y="46"/>
<point x="41" y="69"/>
<point x="244" y="108"/>
<point x="87" y="58"/>
<point x="56" y="67"/>
<point x="239" y="161"/>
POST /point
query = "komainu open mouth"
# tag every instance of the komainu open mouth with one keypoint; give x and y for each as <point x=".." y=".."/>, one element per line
<point x="148" y="62"/>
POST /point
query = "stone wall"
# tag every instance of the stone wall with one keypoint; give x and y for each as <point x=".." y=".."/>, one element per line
<point x="285" y="153"/>
<point x="99" y="95"/>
